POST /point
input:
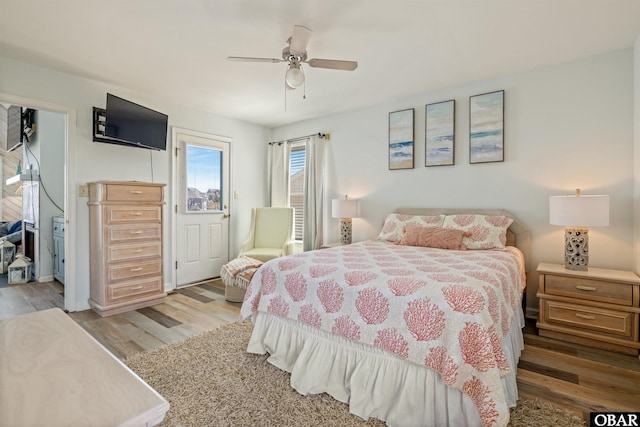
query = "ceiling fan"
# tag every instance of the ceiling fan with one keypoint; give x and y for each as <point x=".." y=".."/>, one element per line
<point x="295" y="53"/>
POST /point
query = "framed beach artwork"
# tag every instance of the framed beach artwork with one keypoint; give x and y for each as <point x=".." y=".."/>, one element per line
<point x="486" y="127"/>
<point x="401" y="139"/>
<point x="439" y="133"/>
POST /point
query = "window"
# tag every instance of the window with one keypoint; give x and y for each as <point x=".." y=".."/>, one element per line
<point x="204" y="176"/>
<point x="296" y="188"/>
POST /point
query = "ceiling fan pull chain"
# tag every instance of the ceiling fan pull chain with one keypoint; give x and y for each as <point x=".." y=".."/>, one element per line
<point x="284" y="88"/>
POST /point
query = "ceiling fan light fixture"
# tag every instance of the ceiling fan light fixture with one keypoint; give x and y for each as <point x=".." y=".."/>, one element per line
<point x="294" y="76"/>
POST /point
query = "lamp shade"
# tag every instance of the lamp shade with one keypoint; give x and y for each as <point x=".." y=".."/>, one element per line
<point x="579" y="211"/>
<point x="344" y="208"/>
<point x="294" y="77"/>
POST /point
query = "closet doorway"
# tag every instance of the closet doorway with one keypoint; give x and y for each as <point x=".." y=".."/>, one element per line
<point x="48" y="188"/>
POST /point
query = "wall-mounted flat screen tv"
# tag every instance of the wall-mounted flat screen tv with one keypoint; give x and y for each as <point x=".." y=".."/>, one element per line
<point x="128" y="123"/>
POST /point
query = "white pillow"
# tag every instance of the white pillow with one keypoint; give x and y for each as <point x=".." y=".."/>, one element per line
<point x="482" y="231"/>
<point x="394" y="224"/>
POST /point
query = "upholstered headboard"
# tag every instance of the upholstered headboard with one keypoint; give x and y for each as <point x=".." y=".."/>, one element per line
<point x="517" y="234"/>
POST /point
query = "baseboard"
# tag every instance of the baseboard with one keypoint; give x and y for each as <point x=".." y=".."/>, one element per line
<point x="82" y="305"/>
<point x="44" y="279"/>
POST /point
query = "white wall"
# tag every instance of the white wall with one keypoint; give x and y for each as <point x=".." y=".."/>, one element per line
<point x="567" y="126"/>
<point x="97" y="161"/>
<point x="636" y="153"/>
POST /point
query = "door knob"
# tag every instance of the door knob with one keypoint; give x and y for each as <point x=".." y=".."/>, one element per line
<point x="226" y="216"/>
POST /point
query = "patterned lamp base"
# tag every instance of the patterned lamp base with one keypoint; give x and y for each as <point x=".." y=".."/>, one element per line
<point x="576" y="249"/>
<point x="345" y="231"/>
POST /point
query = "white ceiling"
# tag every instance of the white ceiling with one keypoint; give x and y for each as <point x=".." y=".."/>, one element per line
<point x="177" y="49"/>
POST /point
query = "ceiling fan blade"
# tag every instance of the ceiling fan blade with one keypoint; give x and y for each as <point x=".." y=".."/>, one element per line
<point x="248" y="59"/>
<point x="300" y="39"/>
<point x="333" y="64"/>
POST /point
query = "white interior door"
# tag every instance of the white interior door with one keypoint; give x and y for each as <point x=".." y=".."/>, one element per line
<point x="202" y="220"/>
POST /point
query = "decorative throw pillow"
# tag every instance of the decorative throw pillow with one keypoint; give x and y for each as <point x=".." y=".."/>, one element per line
<point x="433" y="237"/>
<point x="484" y="231"/>
<point x="394" y="224"/>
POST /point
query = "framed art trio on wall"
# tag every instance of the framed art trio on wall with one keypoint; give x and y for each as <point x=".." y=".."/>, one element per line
<point x="486" y="132"/>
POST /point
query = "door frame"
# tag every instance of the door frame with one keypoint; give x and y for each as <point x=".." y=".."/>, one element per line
<point x="175" y="194"/>
<point x="70" y="303"/>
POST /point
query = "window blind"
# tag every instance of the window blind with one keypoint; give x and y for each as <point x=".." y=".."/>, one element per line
<point x="296" y="187"/>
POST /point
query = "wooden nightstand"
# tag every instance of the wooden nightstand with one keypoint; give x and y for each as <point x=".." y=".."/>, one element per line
<point x="597" y="307"/>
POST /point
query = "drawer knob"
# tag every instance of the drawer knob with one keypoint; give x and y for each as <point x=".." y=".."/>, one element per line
<point x="135" y="269"/>
<point x="586" y="288"/>
<point x="135" y="191"/>
<point x="136" y="232"/>
<point x="135" y="213"/>
<point x="585" y="316"/>
<point x="137" y="287"/>
<point x="136" y="251"/>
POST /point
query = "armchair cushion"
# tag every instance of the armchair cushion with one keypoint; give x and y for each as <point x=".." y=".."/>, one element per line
<point x="264" y="254"/>
<point x="271" y="234"/>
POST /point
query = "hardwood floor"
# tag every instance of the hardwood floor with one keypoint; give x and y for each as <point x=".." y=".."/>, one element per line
<point x="185" y="312"/>
<point x="30" y="297"/>
<point x="578" y="378"/>
<point x="574" y="377"/>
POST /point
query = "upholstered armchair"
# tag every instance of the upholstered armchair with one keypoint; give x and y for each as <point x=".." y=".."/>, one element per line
<point x="271" y="234"/>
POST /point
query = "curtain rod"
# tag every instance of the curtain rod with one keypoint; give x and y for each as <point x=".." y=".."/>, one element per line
<point x="300" y="138"/>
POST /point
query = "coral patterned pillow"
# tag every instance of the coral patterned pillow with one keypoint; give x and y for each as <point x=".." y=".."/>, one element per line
<point x="484" y="231"/>
<point x="433" y="237"/>
<point x="394" y="224"/>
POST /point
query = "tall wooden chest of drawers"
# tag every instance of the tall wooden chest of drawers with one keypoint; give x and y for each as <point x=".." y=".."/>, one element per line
<point x="597" y="307"/>
<point x="125" y="221"/>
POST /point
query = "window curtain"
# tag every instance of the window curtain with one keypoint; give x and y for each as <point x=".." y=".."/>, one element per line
<point x="314" y="193"/>
<point x="278" y="175"/>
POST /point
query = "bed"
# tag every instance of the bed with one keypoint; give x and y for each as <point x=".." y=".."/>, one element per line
<point x="11" y="231"/>
<point x="409" y="333"/>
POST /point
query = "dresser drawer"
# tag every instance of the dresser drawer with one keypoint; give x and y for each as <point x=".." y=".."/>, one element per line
<point x="602" y="320"/>
<point x="124" y="233"/>
<point x="126" y="271"/>
<point x="127" y="214"/>
<point x="135" y="289"/>
<point x="590" y="289"/>
<point x="132" y="193"/>
<point x="133" y="252"/>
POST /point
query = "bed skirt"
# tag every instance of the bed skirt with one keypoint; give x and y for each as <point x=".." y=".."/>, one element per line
<point x="371" y="381"/>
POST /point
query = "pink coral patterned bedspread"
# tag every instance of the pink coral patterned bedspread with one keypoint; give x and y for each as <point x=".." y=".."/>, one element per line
<point x="447" y="310"/>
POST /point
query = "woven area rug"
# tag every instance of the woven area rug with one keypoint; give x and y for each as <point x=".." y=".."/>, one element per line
<point x="210" y="380"/>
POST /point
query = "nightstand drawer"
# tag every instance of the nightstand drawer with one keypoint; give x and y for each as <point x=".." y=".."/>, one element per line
<point x="589" y="289"/>
<point x="610" y="322"/>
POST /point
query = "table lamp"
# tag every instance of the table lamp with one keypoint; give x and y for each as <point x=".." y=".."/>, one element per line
<point x="345" y="209"/>
<point x="577" y="213"/>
